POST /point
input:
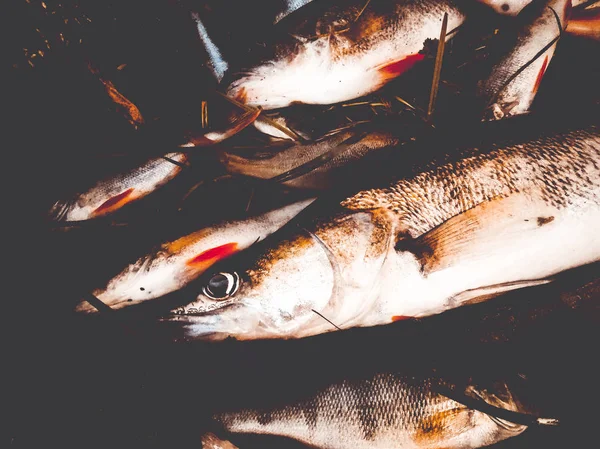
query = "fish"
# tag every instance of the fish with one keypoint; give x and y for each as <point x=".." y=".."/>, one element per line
<point x="293" y="163"/>
<point x="515" y="78"/>
<point x="112" y="194"/>
<point x="385" y="410"/>
<point x="453" y="231"/>
<point x="331" y="51"/>
<point x="177" y="263"/>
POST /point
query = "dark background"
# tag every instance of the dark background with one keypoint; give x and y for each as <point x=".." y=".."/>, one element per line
<point x="76" y="383"/>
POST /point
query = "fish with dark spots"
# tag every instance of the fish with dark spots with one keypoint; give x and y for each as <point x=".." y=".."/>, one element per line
<point x="457" y="230"/>
<point x="381" y="411"/>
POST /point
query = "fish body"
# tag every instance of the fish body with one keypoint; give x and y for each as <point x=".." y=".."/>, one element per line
<point x="179" y="262"/>
<point x="453" y="233"/>
<point x="515" y="77"/>
<point x="346" y="50"/>
<point x="350" y="144"/>
<point x="382" y="411"/>
<point x="110" y="195"/>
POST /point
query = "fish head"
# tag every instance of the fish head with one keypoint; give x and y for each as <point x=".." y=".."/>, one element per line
<point x="314" y="280"/>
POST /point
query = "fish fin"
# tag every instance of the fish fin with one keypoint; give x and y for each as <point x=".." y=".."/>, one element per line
<point x="214" y="137"/>
<point x="211" y="441"/>
<point x="585" y="22"/>
<point x="482" y="294"/>
<point x="396" y="68"/>
<point x="116" y="202"/>
<point x="483" y="232"/>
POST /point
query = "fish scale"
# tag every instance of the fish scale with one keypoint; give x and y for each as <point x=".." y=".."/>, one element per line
<point x="562" y="168"/>
<point x="384" y="411"/>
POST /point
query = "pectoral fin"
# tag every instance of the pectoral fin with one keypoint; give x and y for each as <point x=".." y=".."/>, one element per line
<point x="482" y="294"/>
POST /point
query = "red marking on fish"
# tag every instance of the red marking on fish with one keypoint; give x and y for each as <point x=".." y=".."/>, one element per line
<point x="210" y="256"/>
<point x="114" y="203"/>
<point x="396" y="68"/>
<point x="400" y="318"/>
<point x="538" y="80"/>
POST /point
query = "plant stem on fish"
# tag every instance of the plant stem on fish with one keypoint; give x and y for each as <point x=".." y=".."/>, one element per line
<point x="450" y="234"/>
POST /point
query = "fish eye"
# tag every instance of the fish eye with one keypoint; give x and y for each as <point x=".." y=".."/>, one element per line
<point x="221" y="286"/>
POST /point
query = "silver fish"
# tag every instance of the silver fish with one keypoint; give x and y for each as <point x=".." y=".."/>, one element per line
<point x="349" y="144"/>
<point x="515" y="78"/>
<point x="379" y="412"/>
<point x="179" y="262"/>
<point x="110" y="195"/>
<point x="452" y="233"/>
<point x="347" y="50"/>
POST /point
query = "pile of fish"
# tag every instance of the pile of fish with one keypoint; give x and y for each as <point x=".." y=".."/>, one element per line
<point x="435" y="226"/>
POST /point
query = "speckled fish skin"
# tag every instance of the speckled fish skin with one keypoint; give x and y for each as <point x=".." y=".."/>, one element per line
<point x="454" y="232"/>
<point x="514" y="7"/>
<point x="297" y="154"/>
<point x="508" y="95"/>
<point x="110" y="195"/>
<point x="179" y="262"/>
<point x="336" y="57"/>
<point x="382" y="412"/>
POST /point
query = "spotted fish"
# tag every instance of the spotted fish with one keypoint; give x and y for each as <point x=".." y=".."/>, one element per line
<point x="377" y="412"/>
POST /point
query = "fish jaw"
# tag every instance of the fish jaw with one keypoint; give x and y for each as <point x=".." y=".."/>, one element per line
<point x="180" y="262"/>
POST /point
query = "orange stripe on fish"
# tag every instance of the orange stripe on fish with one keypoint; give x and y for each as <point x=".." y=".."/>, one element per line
<point x="114" y="203"/>
<point x="207" y="258"/>
<point x="397" y="68"/>
<point x="400" y="318"/>
<point x="538" y="80"/>
<point x="585" y="23"/>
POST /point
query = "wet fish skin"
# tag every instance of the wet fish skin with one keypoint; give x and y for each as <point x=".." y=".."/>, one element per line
<point x="506" y="94"/>
<point x="336" y="57"/>
<point x="178" y="263"/>
<point x="297" y="154"/>
<point x="383" y="411"/>
<point x="451" y="234"/>
<point x="514" y="7"/>
<point x="111" y="194"/>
